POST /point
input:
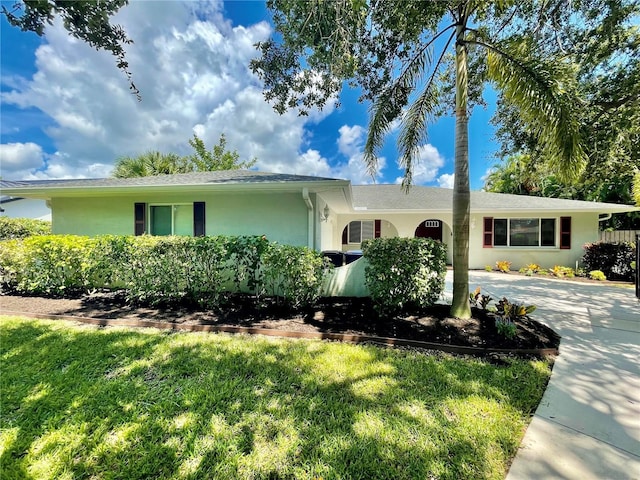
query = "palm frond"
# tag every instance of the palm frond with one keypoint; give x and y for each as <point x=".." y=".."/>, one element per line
<point x="544" y="92"/>
<point x="388" y="106"/>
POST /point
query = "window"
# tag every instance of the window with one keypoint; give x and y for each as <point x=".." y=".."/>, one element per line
<point x="523" y="232"/>
<point x="360" y="230"/>
<point x="171" y="219"/>
<point x="178" y="219"/>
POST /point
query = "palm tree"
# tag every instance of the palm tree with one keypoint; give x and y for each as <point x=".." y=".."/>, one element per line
<point x="150" y="163"/>
<point x="386" y="49"/>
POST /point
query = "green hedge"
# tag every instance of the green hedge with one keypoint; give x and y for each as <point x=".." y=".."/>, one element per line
<point x="404" y="272"/>
<point x="161" y="270"/>
<point x="293" y="274"/>
<point x="11" y="228"/>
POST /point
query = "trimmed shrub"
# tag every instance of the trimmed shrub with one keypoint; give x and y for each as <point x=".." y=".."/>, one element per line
<point x="293" y="275"/>
<point x="404" y="272"/>
<point x="54" y="264"/>
<point x="612" y="259"/>
<point x="12" y="228"/>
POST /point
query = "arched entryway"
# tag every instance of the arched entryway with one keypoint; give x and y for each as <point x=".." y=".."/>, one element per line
<point x="429" y="229"/>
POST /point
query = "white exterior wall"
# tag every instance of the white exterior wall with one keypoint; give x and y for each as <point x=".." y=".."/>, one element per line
<point x="26" y="208"/>
<point x="398" y="224"/>
<point x="584" y="229"/>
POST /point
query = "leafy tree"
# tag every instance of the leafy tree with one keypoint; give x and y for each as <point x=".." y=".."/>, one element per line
<point x="606" y="52"/>
<point x="202" y="160"/>
<point x="88" y="21"/>
<point x="218" y="158"/>
<point x="412" y="61"/>
<point x="636" y="188"/>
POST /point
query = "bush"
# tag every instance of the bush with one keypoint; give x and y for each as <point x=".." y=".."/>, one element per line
<point x="404" y="272"/>
<point x="612" y="259"/>
<point x="597" y="275"/>
<point x="53" y="264"/>
<point x="293" y="274"/>
<point x="12" y="228"/>
<point x="152" y="270"/>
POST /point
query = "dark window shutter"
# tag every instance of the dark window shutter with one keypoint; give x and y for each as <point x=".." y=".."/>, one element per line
<point x="344" y="235"/>
<point x="140" y="216"/>
<point x="198" y="219"/>
<point x="565" y="233"/>
<point x="487" y="232"/>
<point x="378" y="227"/>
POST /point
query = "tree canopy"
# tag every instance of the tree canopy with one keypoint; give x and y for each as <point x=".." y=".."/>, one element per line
<point x="89" y="21"/>
<point x="415" y="61"/>
<point x="605" y="50"/>
<point x="202" y="160"/>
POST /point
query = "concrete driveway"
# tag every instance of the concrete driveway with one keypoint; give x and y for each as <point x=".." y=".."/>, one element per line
<point x="587" y="425"/>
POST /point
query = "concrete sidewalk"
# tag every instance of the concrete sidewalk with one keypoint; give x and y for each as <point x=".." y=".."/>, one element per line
<point x="587" y="425"/>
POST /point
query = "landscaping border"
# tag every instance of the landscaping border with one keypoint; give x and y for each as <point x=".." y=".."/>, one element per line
<point x="348" y="338"/>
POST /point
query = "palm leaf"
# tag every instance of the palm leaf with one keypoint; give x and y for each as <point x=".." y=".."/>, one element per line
<point x="544" y="92"/>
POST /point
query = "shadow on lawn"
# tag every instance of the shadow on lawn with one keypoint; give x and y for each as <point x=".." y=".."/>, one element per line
<point x="123" y="404"/>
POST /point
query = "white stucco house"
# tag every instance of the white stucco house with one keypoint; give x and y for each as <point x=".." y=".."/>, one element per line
<point x="322" y="213"/>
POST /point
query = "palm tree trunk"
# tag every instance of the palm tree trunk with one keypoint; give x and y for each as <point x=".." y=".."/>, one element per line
<point x="461" y="194"/>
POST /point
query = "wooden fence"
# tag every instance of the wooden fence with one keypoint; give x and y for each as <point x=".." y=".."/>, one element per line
<point x="619" y="236"/>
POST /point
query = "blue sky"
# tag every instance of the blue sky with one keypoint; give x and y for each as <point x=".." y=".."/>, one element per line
<point x="66" y="110"/>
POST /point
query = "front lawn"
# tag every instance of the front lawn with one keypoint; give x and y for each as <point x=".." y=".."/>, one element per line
<point x="82" y="402"/>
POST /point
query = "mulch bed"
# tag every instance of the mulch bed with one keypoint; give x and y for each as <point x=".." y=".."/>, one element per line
<point x="353" y="316"/>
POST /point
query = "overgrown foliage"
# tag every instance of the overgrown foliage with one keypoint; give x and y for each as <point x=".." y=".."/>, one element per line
<point x="11" y="228"/>
<point x="404" y="272"/>
<point x="612" y="259"/>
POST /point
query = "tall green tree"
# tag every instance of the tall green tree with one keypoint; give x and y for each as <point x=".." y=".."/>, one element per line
<point x="415" y="61"/>
<point x="218" y="158"/>
<point x="89" y="21"/>
<point x="606" y="52"/>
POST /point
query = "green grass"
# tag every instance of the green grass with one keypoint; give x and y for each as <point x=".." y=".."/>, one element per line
<point x="83" y="402"/>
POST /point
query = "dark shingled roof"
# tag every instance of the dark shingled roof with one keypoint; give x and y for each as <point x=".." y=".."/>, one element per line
<point x="194" y="178"/>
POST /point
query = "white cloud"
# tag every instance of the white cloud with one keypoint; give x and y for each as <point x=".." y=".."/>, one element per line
<point x="20" y="156"/>
<point x="350" y="144"/>
<point x="427" y="163"/>
<point x="192" y="70"/>
<point x="446" y="180"/>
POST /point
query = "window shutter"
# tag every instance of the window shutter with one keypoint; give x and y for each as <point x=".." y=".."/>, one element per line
<point x="487" y="232"/>
<point x="198" y="219"/>
<point x="565" y="233"/>
<point x="378" y="228"/>
<point x="140" y="216"/>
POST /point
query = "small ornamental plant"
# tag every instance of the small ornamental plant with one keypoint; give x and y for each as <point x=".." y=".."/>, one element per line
<point x="503" y="266"/>
<point x="530" y="270"/>
<point x="488" y="268"/>
<point x="506" y="315"/>
<point x="597" y="275"/>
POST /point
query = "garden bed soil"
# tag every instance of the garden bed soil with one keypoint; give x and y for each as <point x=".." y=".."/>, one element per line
<point x="353" y="316"/>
